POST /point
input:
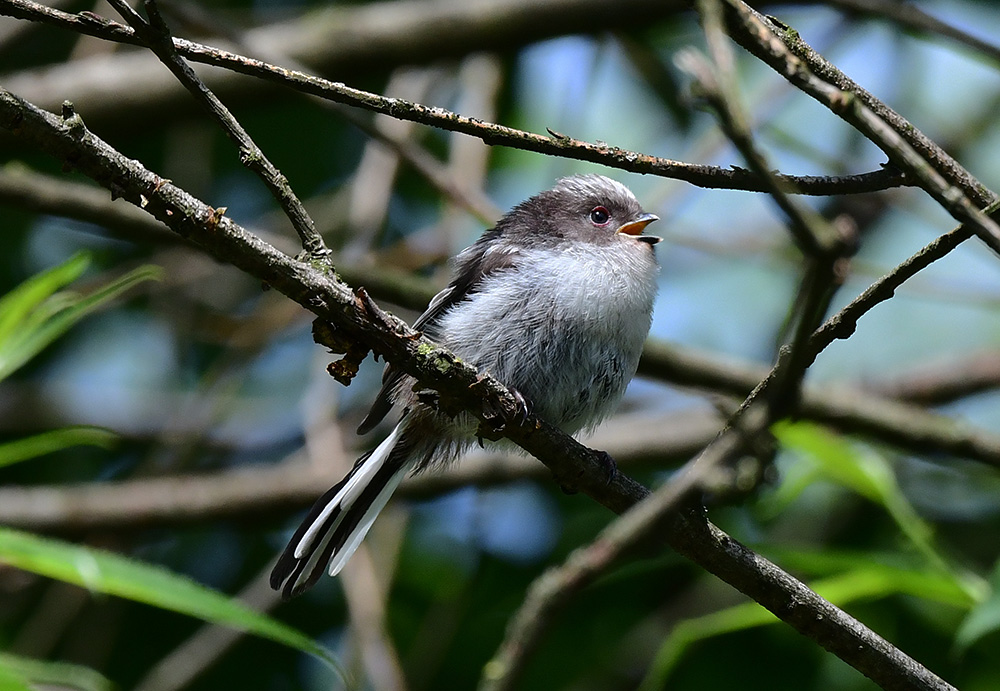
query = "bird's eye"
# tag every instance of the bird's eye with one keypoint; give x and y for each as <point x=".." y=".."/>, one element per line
<point x="599" y="215"/>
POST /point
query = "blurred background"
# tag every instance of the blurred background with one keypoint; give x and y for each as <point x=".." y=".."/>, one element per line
<point x="227" y="426"/>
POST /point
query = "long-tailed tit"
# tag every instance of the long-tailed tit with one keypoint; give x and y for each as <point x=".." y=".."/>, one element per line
<point x="555" y="302"/>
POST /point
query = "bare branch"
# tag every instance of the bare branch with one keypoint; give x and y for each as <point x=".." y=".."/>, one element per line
<point x="331" y="39"/>
<point x="843" y="407"/>
<point x="24" y="188"/>
<point x="157" y="38"/>
<point x="555" y="145"/>
<point x="908" y="148"/>
<point x="393" y="139"/>
<point x="909" y="15"/>
<point x="640" y="525"/>
<point x="636" y="442"/>
<point x="824" y="246"/>
<point x="203" y="649"/>
<point x="944" y="382"/>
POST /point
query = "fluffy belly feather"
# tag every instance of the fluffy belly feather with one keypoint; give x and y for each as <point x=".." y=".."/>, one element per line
<point x="558" y="342"/>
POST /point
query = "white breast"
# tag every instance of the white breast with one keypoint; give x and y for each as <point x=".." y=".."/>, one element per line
<point x="565" y="327"/>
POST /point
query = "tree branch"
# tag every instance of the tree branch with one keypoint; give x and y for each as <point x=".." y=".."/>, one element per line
<point x="156" y="36"/>
<point x="473" y="201"/>
<point x="940" y="383"/>
<point x="825" y="248"/>
<point x="640" y="525"/>
<point x="635" y="442"/>
<point x="359" y="319"/>
<point x="908" y="148"/>
<point x="909" y="15"/>
<point x="331" y="39"/>
<point x="873" y="413"/>
<point x="554" y="145"/>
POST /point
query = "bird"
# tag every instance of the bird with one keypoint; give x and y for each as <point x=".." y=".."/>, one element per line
<point x="555" y="301"/>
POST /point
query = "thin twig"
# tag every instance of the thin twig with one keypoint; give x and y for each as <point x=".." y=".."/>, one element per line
<point x="843" y="323"/>
<point x="555" y="145"/>
<point x="189" y="660"/>
<point x="642" y="523"/>
<point x="842" y="407"/>
<point x="408" y="151"/>
<point x="951" y="185"/>
<point x="757" y="34"/>
<point x="822" y="244"/>
<point x="842" y="326"/>
<point x="157" y="38"/>
<point x="940" y="383"/>
<point x="791" y="43"/>
<point x="24" y="188"/>
<point x="909" y="15"/>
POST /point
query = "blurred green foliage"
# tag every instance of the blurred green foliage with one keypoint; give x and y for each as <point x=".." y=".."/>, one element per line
<point x="32" y="316"/>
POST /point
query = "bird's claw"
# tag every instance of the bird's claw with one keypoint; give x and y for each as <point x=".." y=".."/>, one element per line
<point x="609" y="466"/>
<point x="491" y="428"/>
<point x="524" y="409"/>
<point x="494" y="422"/>
<point x="429" y="398"/>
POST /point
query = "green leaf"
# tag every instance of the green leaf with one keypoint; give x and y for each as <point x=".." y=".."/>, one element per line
<point x="113" y="574"/>
<point x="12" y="681"/>
<point x="907" y="574"/>
<point x="33" y="315"/>
<point x="860" y="469"/>
<point x="59" y="674"/>
<point x="55" y="440"/>
<point x="857" y="468"/>
<point x="16" y="305"/>
<point x="983" y="619"/>
<point x="839" y="460"/>
<point x="864" y="583"/>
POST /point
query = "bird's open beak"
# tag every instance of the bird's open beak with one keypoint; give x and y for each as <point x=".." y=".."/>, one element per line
<point x="636" y="227"/>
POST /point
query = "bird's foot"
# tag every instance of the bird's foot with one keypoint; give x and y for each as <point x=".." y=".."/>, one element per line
<point x="524" y="409"/>
<point x="609" y="466"/>
<point x="495" y="422"/>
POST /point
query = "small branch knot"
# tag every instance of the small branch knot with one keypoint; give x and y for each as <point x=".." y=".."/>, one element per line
<point x="345" y="369"/>
<point x="72" y="119"/>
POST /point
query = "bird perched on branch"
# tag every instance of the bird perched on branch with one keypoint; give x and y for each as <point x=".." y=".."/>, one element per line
<point x="555" y="301"/>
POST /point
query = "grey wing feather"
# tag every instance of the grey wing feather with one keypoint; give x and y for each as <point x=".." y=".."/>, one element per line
<point x="391" y="375"/>
<point x="473" y="264"/>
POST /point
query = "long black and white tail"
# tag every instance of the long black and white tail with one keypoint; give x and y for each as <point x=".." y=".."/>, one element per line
<point x="340" y="519"/>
